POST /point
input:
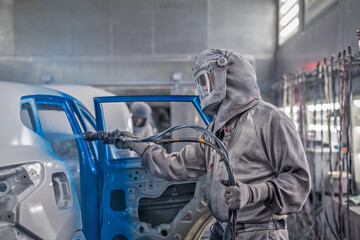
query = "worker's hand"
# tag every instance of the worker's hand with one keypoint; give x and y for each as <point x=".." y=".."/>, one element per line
<point x="138" y="147"/>
<point x="119" y="144"/>
<point x="237" y="196"/>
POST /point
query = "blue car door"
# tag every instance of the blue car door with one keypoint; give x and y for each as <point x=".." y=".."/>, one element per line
<point x="134" y="203"/>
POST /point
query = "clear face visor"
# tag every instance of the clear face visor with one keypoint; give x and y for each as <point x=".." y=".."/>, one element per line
<point x="205" y="84"/>
<point x="138" y="122"/>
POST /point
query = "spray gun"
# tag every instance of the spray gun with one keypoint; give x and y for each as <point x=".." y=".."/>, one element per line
<point x="108" y="137"/>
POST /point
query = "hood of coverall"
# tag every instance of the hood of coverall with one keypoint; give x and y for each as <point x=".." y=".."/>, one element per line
<point x="141" y="110"/>
<point x="239" y="91"/>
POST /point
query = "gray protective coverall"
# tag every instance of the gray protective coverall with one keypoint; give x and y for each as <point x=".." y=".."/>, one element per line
<point x="263" y="145"/>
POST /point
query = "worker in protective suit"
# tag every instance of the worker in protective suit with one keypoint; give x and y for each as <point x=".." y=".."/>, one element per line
<point x="266" y="154"/>
<point x="141" y="114"/>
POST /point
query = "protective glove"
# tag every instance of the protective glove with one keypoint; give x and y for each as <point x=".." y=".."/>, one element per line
<point x="138" y="147"/>
<point x="238" y="196"/>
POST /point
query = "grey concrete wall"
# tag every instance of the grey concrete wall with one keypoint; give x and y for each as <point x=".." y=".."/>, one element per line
<point x="6" y="28"/>
<point x="329" y="33"/>
<point x="119" y="42"/>
<point x="248" y="27"/>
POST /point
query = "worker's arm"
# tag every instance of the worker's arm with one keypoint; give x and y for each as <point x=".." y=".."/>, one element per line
<point x="188" y="163"/>
<point x="290" y="187"/>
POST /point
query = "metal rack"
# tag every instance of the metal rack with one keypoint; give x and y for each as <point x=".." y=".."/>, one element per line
<point x="321" y="104"/>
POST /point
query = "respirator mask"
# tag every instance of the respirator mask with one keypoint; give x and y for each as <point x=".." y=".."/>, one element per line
<point x="211" y="82"/>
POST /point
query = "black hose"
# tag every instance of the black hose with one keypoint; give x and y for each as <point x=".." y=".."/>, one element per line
<point x="349" y="144"/>
<point x="333" y="90"/>
<point x="232" y="213"/>
<point x="342" y="115"/>
<point x="313" y="226"/>
<point x="320" y="86"/>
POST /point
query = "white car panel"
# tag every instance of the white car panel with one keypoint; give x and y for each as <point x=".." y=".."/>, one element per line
<point x="29" y="209"/>
<point x="117" y="115"/>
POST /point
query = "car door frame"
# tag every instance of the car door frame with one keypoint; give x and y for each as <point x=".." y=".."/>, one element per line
<point x="100" y="123"/>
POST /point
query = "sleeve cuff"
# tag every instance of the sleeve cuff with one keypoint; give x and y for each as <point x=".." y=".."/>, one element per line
<point x="139" y="148"/>
<point x="259" y="192"/>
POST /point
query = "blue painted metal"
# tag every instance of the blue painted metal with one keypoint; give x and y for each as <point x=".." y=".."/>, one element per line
<point x="49" y="99"/>
<point x="147" y="98"/>
<point x="85" y="114"/>
<point x="88" y="176"/>
<point x="206" y="118"/>
<point x="114" y="174"/>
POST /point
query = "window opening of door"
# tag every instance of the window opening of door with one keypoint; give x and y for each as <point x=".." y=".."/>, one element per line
<point x="58" y="132"/>
<point x="27" y="116"/>
<point x="85" y="125"/>
<point x="149" y="118"/>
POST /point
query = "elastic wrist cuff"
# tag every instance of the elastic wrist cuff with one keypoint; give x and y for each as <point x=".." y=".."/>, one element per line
<point x="139" y="148"/>
<point x="260" y="192"/>
<point x="147" y="146"/>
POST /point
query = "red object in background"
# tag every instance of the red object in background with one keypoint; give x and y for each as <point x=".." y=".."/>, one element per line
<point x="309" y="66"/>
